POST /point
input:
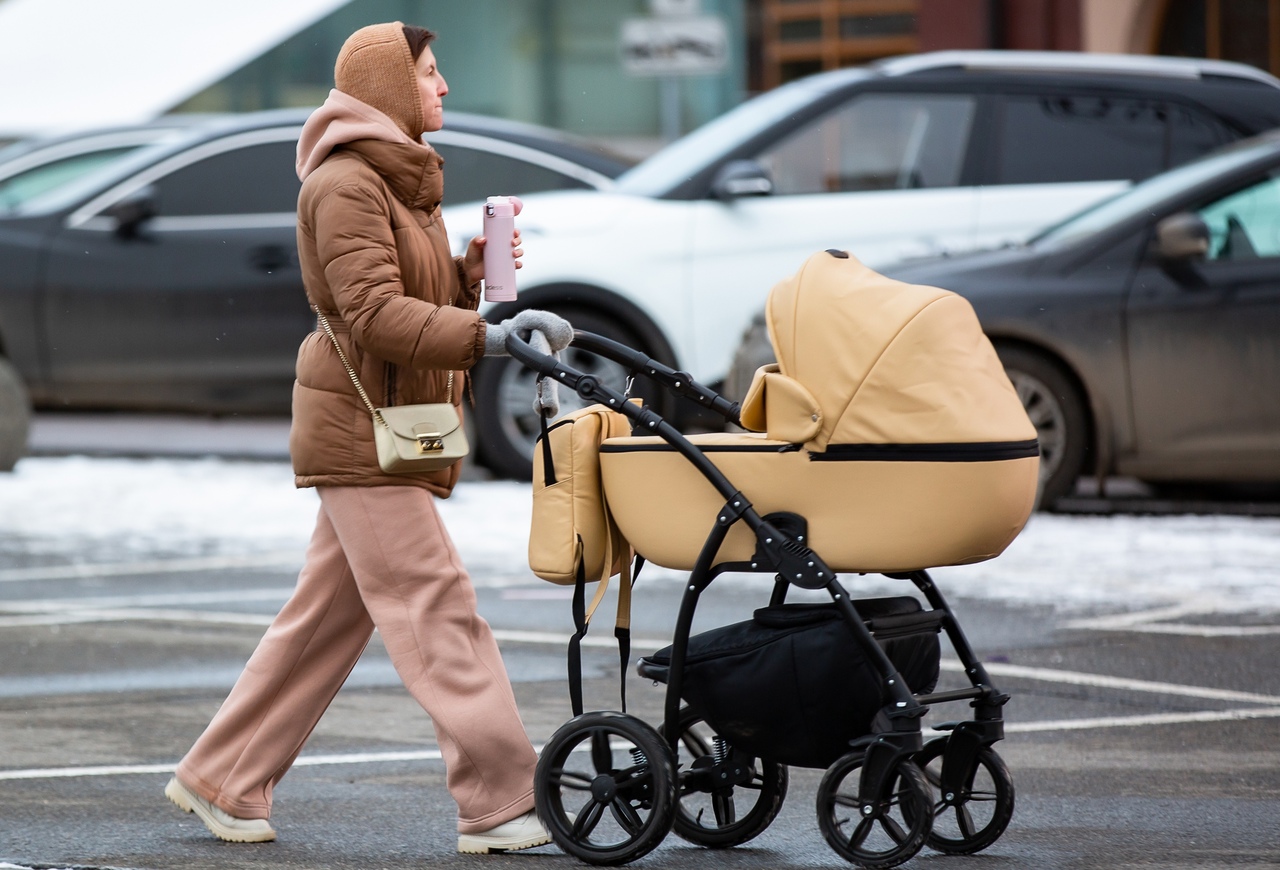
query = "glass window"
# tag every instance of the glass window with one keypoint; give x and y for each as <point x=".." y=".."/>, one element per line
<point x="876" y="142"/>
<point x="1246" y="224"/>
<point x="471" y="175"/>
<point x="23" y="186"/>
<point x="1193" y="134"/>
<point x="1077" y="138"/>
<point x="256" y="179"/>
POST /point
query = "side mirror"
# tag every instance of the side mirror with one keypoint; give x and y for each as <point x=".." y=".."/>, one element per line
<point x="1181" y="236"/>
<point x="133" y="211"/>
<point x="741" y="178"/>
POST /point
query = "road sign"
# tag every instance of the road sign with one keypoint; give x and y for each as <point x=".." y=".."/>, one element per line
<point x="697" y="45"/>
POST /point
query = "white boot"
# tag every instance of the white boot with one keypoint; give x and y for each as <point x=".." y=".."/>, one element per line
<point x="522" y="832"/>
<point x="223" y="825"/>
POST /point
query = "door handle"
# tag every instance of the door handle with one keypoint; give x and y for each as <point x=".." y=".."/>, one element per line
<point x="273" y="258"/>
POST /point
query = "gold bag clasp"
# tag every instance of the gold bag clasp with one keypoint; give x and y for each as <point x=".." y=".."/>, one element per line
<point x="429" y="442"/>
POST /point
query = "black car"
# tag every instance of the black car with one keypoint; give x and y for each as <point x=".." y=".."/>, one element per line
<point x="1143" y="334"/>
<point x="161" y="272"/>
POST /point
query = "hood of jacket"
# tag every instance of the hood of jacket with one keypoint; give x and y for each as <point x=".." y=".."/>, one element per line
<point x="342" y="120"/>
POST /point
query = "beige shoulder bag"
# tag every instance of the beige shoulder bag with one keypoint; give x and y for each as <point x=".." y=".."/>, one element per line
<point x="410" y="438"/>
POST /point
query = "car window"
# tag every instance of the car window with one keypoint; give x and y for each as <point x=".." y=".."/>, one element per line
<point x="1192" y="134"/>
<point x="255" y="179"/>
<point x="1046" y="140"/>
<point x="472" y="174"/>
<point x="876" y="142"/>
<point x="23" y="186"/>
<point x="1246" y="224"/>
<point x="1151" y="197"/>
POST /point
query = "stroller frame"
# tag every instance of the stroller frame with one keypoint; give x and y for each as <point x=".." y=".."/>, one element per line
<point x="887" y="762"/>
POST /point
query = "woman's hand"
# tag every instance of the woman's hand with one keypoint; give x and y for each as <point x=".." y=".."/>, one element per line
<point x="473" y="260"/>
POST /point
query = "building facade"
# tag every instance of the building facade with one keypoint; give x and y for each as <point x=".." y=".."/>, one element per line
<point x="798" y="37"/>
<point x="558" y="62"/>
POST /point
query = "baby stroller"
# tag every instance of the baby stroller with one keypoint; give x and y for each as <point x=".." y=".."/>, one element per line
<point x="887" y="439"/>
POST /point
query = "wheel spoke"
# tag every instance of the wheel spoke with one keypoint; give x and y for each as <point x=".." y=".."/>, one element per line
<point x="860" y="833"/>
<point x="627" y="816"/>
<point x="588" y="818"/>
<point x="934" y="777"/>
<point x="570" y="779"/>
<point x="601" y="754"/>
<point x="846" y="800"/>
<point x="724" y="808"/>
<point x="893" y="829"/>
<point x="695" y="744"/>
<point x="982" y="796"/>
<point x="965" y="822"/>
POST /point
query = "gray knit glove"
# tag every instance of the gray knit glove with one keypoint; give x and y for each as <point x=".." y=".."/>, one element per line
<point x="546" y="397"/>
<point x="558" y="331"/>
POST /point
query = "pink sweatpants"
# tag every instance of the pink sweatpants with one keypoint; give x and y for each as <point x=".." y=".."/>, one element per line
<point x="379" y="556"/>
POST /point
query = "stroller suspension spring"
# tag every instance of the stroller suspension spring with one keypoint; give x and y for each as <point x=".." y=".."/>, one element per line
<point x="639" y="758"/>
<point x="720" y="751"/>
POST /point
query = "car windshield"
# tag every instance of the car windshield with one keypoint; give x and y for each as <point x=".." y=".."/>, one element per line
<point x="686" y="156"/>
<point x="1147" y="196"/>
<point x="22" y="187"/>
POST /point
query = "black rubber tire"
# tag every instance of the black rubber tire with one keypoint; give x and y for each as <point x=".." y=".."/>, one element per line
<point x="1060" y="415"/>
<point x="729" y="827"/>
<point x="896" y="828"/>
<point x="628" y="810"/>
<point x="506" y="425"/>
<point x="988" y="790"/>
<point x="15" y="416"/>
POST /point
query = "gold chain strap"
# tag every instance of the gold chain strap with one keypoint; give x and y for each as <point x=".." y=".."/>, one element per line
<point x="324" y="322"/>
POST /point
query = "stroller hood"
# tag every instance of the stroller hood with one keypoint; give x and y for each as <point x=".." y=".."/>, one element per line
<point x="865" y="359"/>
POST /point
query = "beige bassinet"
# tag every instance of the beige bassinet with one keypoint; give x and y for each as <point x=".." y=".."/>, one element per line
<point x="888" y="423"/>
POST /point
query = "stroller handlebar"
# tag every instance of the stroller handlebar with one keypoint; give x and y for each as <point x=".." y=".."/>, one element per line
<point x="679" y="383"/>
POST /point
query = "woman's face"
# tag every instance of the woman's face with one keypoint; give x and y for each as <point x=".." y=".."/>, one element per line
<point x="432" y="88"/>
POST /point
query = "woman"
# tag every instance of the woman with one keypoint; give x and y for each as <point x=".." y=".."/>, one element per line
<point x="375" y="261"/>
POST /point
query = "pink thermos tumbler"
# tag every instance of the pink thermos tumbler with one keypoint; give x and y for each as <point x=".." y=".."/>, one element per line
<point x="499" y="266"/>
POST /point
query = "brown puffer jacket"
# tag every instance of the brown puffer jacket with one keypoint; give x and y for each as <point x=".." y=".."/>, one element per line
<point x="375" y="259"/>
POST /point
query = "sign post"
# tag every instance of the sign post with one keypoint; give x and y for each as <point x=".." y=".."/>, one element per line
<point x="676" y="42"/>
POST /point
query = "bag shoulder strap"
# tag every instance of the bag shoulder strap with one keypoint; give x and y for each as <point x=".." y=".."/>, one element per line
<point x="351" y="372"/>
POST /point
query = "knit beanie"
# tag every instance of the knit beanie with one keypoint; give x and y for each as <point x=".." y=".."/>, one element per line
<point x="376" y="67"/>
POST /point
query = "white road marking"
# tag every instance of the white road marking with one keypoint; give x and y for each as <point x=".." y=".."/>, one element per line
<point x="435" y="754"/>
<point x="1100" y="681"/>
<point x="160" y="566"/>
<point x="1158" y="621"/>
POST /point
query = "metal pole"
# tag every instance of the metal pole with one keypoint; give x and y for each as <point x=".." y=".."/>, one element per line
<point x="670" y="96"/>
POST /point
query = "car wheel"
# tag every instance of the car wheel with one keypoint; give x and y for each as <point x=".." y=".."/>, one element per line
<point x="1057" y="409"/>
<point x="506" y="424"/>
<point x="753" y="351"/>
<point x="15" y="416"/>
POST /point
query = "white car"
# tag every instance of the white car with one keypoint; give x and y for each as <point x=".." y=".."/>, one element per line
<point x="942" y="152"/>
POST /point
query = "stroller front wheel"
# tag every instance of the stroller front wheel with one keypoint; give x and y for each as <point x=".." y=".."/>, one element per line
<point x="605" y="788"/>
<point x="975" y="818"/>
<point x="874" y="831"/>
<point x="726" y="796"/>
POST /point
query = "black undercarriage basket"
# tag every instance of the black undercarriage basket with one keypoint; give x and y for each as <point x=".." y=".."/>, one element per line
<point x="792" y="683"/>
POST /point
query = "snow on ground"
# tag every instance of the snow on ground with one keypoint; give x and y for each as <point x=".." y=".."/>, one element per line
<point x="83" y="510"/>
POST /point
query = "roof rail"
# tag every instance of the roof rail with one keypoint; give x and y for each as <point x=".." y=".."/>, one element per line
<point x="1072" y="62"/>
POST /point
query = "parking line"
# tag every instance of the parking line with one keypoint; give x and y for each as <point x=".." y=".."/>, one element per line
<point x="435" y="754"/>
<point x="158" y="566"/>
<point x="1101" y="681"/>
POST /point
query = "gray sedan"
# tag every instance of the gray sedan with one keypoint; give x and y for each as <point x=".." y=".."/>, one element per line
<point x="1143" y="334"/>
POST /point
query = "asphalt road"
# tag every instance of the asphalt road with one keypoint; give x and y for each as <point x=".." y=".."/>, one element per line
<point x="1129" y="747"/>
<point x="1135" y="740"/>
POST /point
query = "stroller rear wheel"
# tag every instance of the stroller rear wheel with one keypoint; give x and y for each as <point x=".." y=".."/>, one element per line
<point x="605" y="788"/>
<point x="727" y="797"/>
<point x="975" y="818"/>
<point x="874" y="831"/>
